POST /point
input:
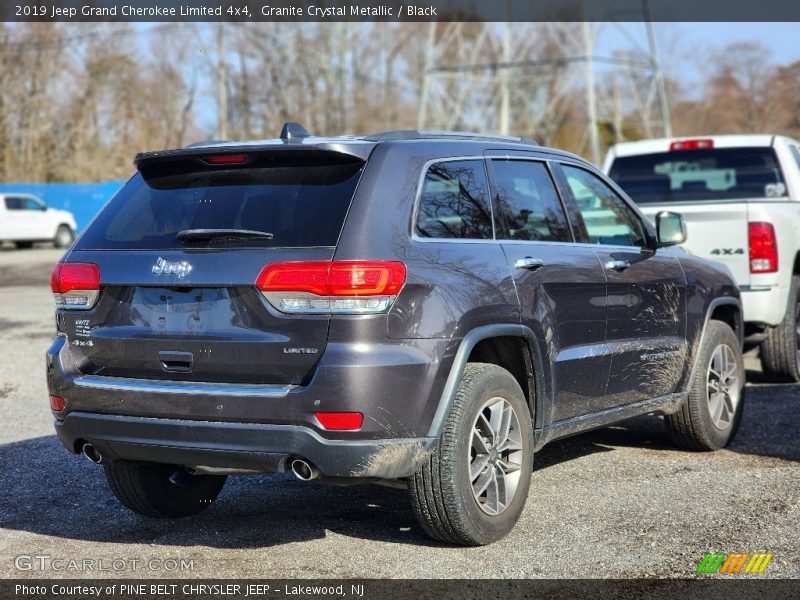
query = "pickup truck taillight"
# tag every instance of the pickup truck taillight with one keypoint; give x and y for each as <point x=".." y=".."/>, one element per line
<point x="763" y="248"/>
<point x="75" y="285"/>
<point x="334" y="287"/>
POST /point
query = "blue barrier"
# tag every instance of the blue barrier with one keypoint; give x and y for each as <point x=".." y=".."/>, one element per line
<point x="81" y="199"/>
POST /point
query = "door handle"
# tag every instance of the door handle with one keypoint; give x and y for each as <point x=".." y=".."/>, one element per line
<point x="617" y="265"/>
<point x="529" y="263"/>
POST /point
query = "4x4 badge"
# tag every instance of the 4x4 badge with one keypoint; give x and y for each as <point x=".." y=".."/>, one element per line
<point x="165" y="267"/>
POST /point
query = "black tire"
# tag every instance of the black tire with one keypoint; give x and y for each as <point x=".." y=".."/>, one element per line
<point x="64" y="237"/>
<point x="780" y="351"/>
<point x="441" y="492"/>
<point x="163" y="491"/>
<point x="693" y="426"/>
<point x="23" y="245"/>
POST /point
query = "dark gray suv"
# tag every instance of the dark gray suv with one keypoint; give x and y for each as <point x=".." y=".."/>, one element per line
<point x="419" y="309"/>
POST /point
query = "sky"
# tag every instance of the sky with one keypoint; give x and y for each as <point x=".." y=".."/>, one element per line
<point x="780" y="38"/>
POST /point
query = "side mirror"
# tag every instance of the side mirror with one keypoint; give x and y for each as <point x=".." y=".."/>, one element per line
<point x="670" y="228"/>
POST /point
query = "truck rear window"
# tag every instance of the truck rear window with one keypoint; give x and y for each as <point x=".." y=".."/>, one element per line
<point x="700" y="175"/>
<point x="300" y="200"/>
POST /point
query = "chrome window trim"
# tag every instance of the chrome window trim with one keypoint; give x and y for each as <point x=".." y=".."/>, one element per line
<point x="154" y="386"/>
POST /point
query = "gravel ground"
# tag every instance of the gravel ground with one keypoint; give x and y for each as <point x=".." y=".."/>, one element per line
<point x="619" y="502"/>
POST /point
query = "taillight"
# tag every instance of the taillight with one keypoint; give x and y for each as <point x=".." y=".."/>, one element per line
<point x="763" y="248"/>
<point x="75" y="285"/>
<point x="340" y="287"/>
<point x="226" y="159"/>
<point x="692" y="145"/>
<point x="340" y="421"/>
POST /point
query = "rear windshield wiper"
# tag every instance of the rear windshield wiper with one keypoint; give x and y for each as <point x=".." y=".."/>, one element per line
<point x="221" y="235"/>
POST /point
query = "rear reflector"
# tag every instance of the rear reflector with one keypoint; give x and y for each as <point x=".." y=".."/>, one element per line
<point x="57" y="403"/>
<point x="340" y="421"/>
<point x="763" y="248"/>
<point x="692" y="145"/>
<point x="343" y="286"/>
<point x="226" y="159"/>
<point x="75" y="285"/>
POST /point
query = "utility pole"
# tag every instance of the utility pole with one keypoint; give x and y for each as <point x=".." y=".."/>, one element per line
<point x="505" y="97"/>
<point x="591" y="101"/>
<point x="422" y="113"/>
<point x="222" y="85"/>
<point x="660" y="89"/>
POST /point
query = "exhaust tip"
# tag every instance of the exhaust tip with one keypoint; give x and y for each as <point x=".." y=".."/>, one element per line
<point x="92" y="453"/>
<point x="303" y="470"/>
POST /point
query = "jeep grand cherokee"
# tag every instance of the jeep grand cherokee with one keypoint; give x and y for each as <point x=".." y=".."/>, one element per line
<point x="423" y="309"/>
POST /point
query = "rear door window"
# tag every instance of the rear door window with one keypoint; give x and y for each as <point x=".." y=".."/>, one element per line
<point x="300" y="199"/>
<point x="700" y="175"/>
<point x="454" y="201"/>
<point x="527" y="203"/>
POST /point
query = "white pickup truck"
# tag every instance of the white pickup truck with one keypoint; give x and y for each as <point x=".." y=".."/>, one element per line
<point x="25" y="219"/>
<point x="740" y="197"/>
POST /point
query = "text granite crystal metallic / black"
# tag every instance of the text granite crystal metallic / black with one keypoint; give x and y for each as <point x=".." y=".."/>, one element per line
<point x="416" y="309"/>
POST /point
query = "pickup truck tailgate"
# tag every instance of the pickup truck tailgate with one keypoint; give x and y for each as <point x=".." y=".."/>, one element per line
<point x="715" y="230"/>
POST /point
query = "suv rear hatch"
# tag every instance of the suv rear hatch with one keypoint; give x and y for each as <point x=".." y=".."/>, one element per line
<point x="712" y="187"/>
<point x="179" y="262"/>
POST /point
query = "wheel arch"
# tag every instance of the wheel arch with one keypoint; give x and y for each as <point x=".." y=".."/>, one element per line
<point x="512" y="346"/>
<point x="727" y="309"/>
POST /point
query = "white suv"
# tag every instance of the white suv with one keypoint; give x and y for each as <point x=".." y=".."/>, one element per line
<point x="25" y="219"/>
<point x="740" y="197"/>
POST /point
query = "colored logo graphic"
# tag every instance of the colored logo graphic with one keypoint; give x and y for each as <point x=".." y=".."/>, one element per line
<point x="734" y="563"/>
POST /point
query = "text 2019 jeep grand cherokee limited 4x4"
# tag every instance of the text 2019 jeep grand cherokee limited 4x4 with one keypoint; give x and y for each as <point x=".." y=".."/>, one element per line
<point x="424" y="308"/>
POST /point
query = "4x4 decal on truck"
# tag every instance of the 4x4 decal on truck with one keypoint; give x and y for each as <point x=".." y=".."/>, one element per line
<point x="727" y="251"/>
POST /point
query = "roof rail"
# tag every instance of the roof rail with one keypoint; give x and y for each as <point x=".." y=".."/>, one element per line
<point x="428" y="134"/>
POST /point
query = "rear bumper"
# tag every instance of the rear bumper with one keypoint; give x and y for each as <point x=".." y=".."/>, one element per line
<point x="246" y="446"/>
<point x="256" y="427"/>
<point x="764" y="304"/>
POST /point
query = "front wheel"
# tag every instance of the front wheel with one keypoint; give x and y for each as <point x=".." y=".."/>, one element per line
<point x="710" y="415"/>
<point x="157" y="490"/>
<point x="473" y="488"/>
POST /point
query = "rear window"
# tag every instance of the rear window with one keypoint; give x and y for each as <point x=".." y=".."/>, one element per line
<point x="700" y="175"/>
<point x="300" y="200"/>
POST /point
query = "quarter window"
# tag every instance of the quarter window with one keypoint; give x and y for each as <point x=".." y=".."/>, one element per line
<point x="527" y="202"/>
<point x="454" y="202"/>
<point x="608" y="219"/>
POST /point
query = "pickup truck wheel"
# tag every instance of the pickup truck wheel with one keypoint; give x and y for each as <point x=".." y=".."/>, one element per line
<point x="709" y="417"/>
<point x="473" y="487"/>
<point x="64" y="237"/>
<point x="157" y="490"/>
<point x="780" y="351"/>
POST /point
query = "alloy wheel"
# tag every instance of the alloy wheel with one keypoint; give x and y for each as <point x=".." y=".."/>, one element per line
<point x="496" y="453"/>
<point x="722" y="387"/>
